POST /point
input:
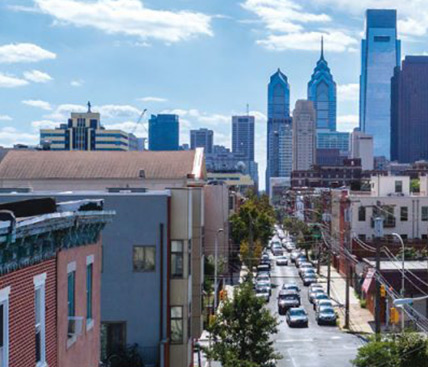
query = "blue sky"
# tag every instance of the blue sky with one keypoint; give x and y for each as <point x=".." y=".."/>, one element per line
<point x="203" y="59"/>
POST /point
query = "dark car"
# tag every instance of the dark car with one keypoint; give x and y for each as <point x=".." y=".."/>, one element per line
<point x="297" y="317"/>
<point x="326" y="316"/>
<point x="286" y="300"/>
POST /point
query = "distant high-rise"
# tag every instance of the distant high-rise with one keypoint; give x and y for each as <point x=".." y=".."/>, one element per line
<point x="362" y="148"/>
<point x="164" y="132"/>
<point x="243" y="136"/>
<point x="322" y="92"/>
<point x="202" y="138"/>
<point x="409" y="112"/>
<point x="279" y="129"/>
<point x="380" y="54"/>
<point x="304" y="136"/>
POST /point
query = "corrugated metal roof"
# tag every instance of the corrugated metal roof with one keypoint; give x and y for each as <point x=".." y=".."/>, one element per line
<point x="41" y="165"/>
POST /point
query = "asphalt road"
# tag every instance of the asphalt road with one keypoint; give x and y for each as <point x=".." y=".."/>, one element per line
<point x="315" y="346"/>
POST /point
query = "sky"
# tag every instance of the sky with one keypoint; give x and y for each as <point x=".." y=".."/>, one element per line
<point x="202" y="59"/>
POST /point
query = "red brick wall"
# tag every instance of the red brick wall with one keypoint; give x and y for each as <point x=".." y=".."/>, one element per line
<point x="85" y="352"/>
<point x="22" y="349"/>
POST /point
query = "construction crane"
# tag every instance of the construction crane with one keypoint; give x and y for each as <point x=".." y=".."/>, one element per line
<point x="139" y="121"/>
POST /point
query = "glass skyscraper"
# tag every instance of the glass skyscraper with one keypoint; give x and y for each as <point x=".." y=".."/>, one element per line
<point x="164" y="132"/>
<point x="380" y="54"/>
<point x="322" y="92"/>
<point x="279" y="129"/>
<point x="243" y="136"/>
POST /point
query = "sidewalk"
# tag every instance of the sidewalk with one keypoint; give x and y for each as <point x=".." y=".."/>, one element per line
<point x="360" y="318"/>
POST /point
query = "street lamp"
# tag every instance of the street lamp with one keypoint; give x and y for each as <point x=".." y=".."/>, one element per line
<point x="220" y="230"/>
<point x="402" y="276"/>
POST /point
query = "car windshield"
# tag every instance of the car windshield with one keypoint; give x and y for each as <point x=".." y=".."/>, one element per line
<point x="290" y="286"/>
<point x="263" y="283"/>
<point x="327" y="311"/>
<point x="321" y="296"/>
<point x="318" y="291"/>
<point x="288" y="296"/>
<point x="282" y="257"/>
<point x="297" y="313"/>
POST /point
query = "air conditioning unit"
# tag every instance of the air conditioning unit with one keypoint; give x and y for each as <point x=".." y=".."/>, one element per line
<point x="75" y="326"/>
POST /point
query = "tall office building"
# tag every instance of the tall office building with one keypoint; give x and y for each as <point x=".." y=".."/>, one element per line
<point x="164" y="132"/>
<point x="362" y="148"/>
<point x="243" y="136"/>
<point x="304" y="136"/>
<point x="322" y="92"/>
<point x="380" y="54"/>
<point x="202" y="138"/>
<point x="409" y="112"/>
<point x="84" y="131"/>
<point x="279" y="129"/>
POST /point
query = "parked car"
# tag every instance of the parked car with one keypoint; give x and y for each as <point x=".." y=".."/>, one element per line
<point x="326" y="316"/>
<point x="324" y="303"/>
<point x="263" y="293"/>
<point x="303" y="267"/>
<point x="262" y="277"/>
<point x="294" y="255"/>
<point x="282" y="261"/>
<point x="308" y="279"/>
<point x="297" y="317"/>
<point x="263" y="268"/>
<point x="291" y="287"/>
<point x="277" y="251"/>
<point x="315" y="286"/>
<point x="290" y="246"/>
<point x="300" y="260"/>
<point x="313" y="293"/>
<point x="265" y="284"/>
<point x="286" y="300"/>
<point x="319" y="297"/>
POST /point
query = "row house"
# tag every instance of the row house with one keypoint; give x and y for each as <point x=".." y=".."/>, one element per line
<point x="50" y="283"/>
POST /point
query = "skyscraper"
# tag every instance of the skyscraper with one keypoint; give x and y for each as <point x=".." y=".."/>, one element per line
<point x="409" y="112"/>
<point x="243" y="136"/>
<point x="202" y="138"/>
<point x="380" y="54"/>
<point x="164" y="132"/>
<point x="322" y="92"/>
<point x="304" y="136"/>
<point x="279" y="129"/>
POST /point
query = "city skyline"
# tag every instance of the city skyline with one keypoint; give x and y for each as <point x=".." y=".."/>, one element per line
<point x="47" y="73"/>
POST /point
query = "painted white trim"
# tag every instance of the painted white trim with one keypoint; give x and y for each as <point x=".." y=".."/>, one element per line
<point x="89" y="324"/>
<point x="40" y="279"/>
<point x="71" y="267"/>
<point x="4" y="294"/>
<point x="89" y="259"/>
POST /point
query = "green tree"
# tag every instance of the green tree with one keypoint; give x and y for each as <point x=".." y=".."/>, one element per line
<point x="374" y="352"/>
<point x="414" y="185"/>
<point x="242" y="331"/>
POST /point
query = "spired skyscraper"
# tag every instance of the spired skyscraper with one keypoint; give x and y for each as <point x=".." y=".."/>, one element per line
<point x="380" y="54"/>
<point x="279" y="129"/>
<point x="322" y="92"/>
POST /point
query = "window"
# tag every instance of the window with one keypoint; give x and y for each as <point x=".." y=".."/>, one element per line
<point x="425" y="236"/>
<point x="89" y="281"/>
<point x="39" y="303"/>
<point x="4" y="327"/>
<point x="399" y="186"/>
<point x="382" y="38"/>
<point x="362" y="237"/>
<point x="404" y="213"/>
<point x="362" y="214"/>
<point x="71" y="302"/>
<point x="404" y="237"/>
<point x="176" y="259"/>
<point x="177" y="324"/>
<point x="144" y="259"/>
<point x="425" y="213"/>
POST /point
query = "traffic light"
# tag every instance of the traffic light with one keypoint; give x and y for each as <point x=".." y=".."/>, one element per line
<point x="394" y="316"/>
<point x="382" y="291"/>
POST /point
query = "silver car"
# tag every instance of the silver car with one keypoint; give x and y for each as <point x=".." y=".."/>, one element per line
<point x="297" y="317"/>
<point x="326" y="316"/>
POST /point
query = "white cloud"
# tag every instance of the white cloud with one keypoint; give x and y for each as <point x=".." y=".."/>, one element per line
<point x="38" y="104"/>
<point x="129" y="17"/>
<point x="37" y="76"/>
<point x="129" y="127"/>
<point x="77" y="83"/>
<point x="62" y="112"/>
<point x="10" y="136"/>
<point x="347" y="122"/>
<point x="153" y="99"/>
<point x="202" y="118"/>
<point x="335" y="41"/>
<point x="5" y="118"/>
<point x="44" y="124"/>
<point x="348" y="92"/>
<point x="115" y="111"/>
<point x="24" y="52"/>
<point x="10" y="81"/>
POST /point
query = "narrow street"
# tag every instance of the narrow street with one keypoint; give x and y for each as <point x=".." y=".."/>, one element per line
<point x="315" y="346"/>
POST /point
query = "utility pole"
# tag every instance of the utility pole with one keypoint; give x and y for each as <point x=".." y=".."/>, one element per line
<point x="329" y="272"/>
<point x="347" y="293"/>
<point x="378" y="235"/>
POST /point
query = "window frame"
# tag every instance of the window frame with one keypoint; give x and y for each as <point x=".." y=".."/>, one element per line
<point x="181" y="340"/>
<point x="424" y="216"/>
<point x="144" y="248"/>
<point x="4" y="301"/>
<point x="404" y="217"/>
<point x="40" y="286"/>
<point x="362" y="213"/>
<point x="89" y="292"/>
<point x="71" y="271"/>
<point x="398" y="183"/>
<point x="178" y="254"/>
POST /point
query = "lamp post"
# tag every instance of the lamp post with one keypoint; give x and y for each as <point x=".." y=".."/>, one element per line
<point x="220" y="230"/>
<point x="402" y="276"/>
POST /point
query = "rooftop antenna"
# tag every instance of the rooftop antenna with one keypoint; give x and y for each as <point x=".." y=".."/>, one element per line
<point x="89" y="107"/>
<point x="322" y="47"/>
<point x="248" y="109"/>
